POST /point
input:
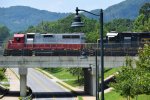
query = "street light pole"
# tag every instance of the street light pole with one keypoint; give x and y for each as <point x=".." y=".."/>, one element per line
<point x="77" y="23"/>
<point x="102" y="55"/>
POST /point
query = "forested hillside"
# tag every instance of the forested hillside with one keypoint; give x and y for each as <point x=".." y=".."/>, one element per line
<point x="127" y="9"/>
<point x="18" y="18"/>
<point x="4" y="33"/>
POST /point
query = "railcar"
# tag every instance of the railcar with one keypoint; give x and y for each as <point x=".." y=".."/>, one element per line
<point x="125" y="43"/>
<point x="36" y="44"/>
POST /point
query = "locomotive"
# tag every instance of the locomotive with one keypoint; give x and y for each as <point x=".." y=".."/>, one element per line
<point x="45" y="44"/>
<point x="125" y="43"/>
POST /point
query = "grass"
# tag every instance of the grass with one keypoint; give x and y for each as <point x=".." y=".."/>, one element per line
<point x="5" y="80"/>
<point x="64" y="75"/>
<point x="80" y="98"/>
<point x="116" y="96"/>
<point x="111" y="71"/>
<point x="113" y="96"/>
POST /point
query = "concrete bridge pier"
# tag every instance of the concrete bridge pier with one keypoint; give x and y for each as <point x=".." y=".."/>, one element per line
<point x="23" y="81"/>
<point x="90" y="81"/>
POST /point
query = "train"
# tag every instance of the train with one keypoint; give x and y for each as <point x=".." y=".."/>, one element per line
<point x="74" y="44"/>
<point x="36" y="44"/>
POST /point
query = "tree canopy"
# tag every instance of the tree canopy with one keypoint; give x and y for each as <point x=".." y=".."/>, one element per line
<point x="2" y="73"/>
<point x="142" y="22"/>
<point x="145" y="10"/>
<point x="119" y="25"/>
<point x="131" y="81"/>
<point x="4" y="33"/>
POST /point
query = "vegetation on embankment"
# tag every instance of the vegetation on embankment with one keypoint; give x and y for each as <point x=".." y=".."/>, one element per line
<point x="134" y="82"/>
<point x="4" y="85"/>
<point x="116" y="96"/>
<point x="65" y="75"/>
<point x="3" y="78"/>
<point x="74" y="76"/>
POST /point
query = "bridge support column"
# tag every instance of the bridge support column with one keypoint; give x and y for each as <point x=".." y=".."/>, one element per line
<point x="90" y="81"/>
<point x="23" y="81"/>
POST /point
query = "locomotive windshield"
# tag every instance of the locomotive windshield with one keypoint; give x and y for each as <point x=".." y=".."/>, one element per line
<point x="71" y="36"/>
<point x="30" y="36"/>
<point x="50" y="36"/>
<point x="18" y="39"/>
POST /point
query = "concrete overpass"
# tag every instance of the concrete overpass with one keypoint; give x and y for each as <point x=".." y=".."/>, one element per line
<point x="87" y="63"/>
<point x="59" y="61"/>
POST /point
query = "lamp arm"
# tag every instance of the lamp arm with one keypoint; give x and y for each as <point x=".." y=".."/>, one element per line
<point x="85" y="11"/>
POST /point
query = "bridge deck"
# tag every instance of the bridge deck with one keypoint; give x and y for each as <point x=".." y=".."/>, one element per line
<point x="58" y="61"/>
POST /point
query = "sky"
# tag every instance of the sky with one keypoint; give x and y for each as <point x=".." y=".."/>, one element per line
<point x="61" y="5"/>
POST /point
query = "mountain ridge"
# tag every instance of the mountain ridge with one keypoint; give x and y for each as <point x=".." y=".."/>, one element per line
<point x="128" y="9"/>
<point x="19" y="18"/>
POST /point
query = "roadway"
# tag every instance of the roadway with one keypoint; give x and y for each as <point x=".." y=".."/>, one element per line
<point x="45" y="88"/>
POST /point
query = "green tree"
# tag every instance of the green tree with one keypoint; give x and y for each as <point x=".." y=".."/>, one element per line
<point x="4" y="33"/>
<point x="31" y="29"/>
<point x="145" y="10"/>
<point x="144" y="58"/>
<point x="142" y="22"/>
<point x="130" y="81"/>
<point x="142" y="77"/>
<point x="92" y="37"/>
<point x="2" y="75"/>
<point x="119" y="25"/>
<point x="141" y="25"/>
<point x="76" y="72"/>
<point x="124" y="80"/>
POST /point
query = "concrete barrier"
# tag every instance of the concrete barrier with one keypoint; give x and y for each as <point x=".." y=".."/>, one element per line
<point x="59" y="61"/>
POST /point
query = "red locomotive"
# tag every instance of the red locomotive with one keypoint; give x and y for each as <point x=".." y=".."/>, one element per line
<point x="45" y="44"/>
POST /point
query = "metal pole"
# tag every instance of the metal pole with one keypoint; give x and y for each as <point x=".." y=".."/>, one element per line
<point x="97" y="75"/>
<point x="102" y="54"/>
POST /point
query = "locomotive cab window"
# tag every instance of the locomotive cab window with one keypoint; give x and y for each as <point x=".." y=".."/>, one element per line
<point x="17" y="39"/>
<point x="30" y="36"/>
<point x="75" y="36"/>
<point x="71" y="36"/>
<point x="49" y="36"/>
<point x="127" y="39"/>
